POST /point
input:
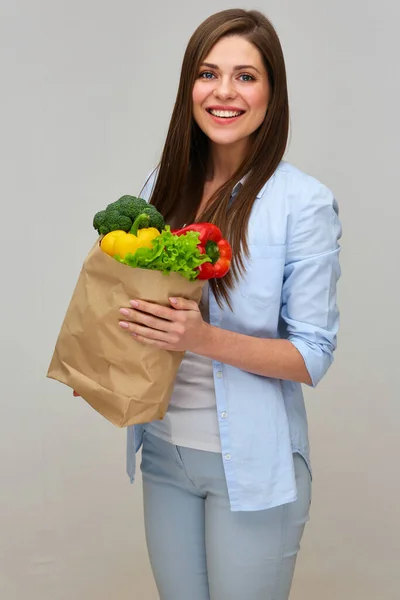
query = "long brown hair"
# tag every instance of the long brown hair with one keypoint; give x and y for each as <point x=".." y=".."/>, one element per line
<point x="182" y="170"/>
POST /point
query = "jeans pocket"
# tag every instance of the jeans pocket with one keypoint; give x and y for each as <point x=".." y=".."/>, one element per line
<point x="303" y="476"/>
<point x="158" y="450"/>
<point x="178" y="457"/>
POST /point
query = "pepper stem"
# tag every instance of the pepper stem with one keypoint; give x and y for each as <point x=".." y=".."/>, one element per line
<point x="212" y="251"/>
<point x="141" y="220"/>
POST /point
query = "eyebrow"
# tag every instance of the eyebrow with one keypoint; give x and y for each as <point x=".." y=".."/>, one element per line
<point x="237" y="68"/>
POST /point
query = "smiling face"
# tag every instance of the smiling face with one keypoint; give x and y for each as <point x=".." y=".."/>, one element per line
<point x="231" y="92"/>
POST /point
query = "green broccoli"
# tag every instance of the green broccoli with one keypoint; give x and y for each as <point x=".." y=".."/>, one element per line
<point x="131" y="207"/>
<point x="98" y="220"/>
<point x="156" y="218"/>
<point x="110" y="220"/>
<point x="122" y="213"/>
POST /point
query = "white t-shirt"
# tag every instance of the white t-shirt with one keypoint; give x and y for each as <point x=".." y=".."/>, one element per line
<point x="191" y="419"/>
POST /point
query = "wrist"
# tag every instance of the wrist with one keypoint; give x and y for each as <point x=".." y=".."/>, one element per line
<point x="202" y="340"/>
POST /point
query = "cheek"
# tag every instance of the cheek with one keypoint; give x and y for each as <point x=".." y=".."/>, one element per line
<point x="258" y="99"/>
<point x="198" y="95"/>
<point x="260" y="102"/>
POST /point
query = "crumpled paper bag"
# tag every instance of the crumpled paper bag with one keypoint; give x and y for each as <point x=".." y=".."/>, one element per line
<point x="125" y="381"/>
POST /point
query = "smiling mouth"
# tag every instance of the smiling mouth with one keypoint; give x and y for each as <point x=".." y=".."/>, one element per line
<point x="225" y="114"/>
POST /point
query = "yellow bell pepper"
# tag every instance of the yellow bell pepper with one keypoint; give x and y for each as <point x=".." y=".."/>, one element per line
<point x="121" y="243"/>
<point x="108" y="241"/>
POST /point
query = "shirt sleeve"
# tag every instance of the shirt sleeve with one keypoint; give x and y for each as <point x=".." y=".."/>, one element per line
<point x="309" y="308"/>
<point x="149" y="184"/>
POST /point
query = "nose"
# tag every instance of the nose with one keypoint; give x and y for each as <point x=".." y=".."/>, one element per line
<point x="224" y="89"/>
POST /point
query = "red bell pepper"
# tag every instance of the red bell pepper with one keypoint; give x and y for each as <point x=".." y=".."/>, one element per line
<point x="211" y="243"/>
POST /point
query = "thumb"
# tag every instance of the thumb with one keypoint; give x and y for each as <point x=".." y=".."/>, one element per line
<point x="184" y="304"/>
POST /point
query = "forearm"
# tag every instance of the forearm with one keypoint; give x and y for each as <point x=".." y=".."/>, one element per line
<point x="275" y="358"/>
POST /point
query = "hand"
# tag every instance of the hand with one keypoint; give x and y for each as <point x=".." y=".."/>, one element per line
<point x="179" y="328"/>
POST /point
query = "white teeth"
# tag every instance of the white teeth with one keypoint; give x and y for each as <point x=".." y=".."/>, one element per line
<point x="225" y="113"/>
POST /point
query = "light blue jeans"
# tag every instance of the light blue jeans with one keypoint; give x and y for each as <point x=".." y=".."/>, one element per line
<point x="198" y="548"/>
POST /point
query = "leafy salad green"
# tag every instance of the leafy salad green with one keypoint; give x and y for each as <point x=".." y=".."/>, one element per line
<point x="170" y="253"/>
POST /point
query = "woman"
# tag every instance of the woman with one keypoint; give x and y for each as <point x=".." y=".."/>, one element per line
<point x="226" y="474"/>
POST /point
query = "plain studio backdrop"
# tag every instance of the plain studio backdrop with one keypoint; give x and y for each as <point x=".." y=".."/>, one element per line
<point x="87" y="90"/>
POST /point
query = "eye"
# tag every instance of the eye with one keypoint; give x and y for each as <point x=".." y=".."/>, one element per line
<point x="247" y="77"/>
<point x="206" y="75"/>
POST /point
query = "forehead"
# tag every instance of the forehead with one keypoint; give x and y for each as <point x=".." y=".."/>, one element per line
<point x="234" y="50"/>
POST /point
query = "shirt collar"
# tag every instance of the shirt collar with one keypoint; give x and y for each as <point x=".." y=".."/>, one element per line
<point x="240" y="183"/>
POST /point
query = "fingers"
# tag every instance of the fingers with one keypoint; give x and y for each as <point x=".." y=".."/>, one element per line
<point x="163" y="312"/>
<point x="156" y="316"/>
<point x="142" y="318"/>
<point x="159" y="325"/>
<point x="143" y="332"/>
<point x="184" y="304"/>
<point x="154" y="343"/>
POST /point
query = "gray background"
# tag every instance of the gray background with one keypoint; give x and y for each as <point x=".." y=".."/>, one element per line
<point x="86" y="92"/>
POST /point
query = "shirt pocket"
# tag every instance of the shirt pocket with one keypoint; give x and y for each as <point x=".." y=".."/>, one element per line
<point x="262" y="282"/>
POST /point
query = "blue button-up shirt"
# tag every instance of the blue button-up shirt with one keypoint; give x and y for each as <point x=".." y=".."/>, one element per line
<point x="288" y="291"/>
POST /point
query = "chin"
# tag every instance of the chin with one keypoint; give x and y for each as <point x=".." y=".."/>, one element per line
<point x="224" y="140"/>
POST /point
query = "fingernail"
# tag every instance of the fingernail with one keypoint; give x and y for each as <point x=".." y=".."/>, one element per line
<point x="174" y="300"/>
<point x="123" y="325"/>
<point x="124" y="311"/>
<point x="134" y="303"/>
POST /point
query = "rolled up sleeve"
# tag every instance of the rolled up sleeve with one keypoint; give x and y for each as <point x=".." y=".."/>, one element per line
<point x="309" y="298"/>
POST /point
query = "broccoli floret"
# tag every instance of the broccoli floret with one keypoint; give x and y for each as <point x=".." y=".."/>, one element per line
<point x="120" y="201"/>
<point x="98" y="219"/>
<point x="123" y="199"/>
<point x="122" y="213"/>
<point x="156" y="218"/>
<point x="132" y="207"/>
<point x="113" y="220"/>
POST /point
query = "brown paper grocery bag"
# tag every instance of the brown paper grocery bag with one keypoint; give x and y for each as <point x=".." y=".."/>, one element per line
<point x="125" y="381"/>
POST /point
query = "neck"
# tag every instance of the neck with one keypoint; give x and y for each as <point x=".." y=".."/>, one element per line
<point x="225" y="160"/>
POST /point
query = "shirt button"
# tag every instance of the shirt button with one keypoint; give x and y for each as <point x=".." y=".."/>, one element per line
<point x="224" y="415"/>
<point x="219" y="374"/>
<point x="228" y="457"/>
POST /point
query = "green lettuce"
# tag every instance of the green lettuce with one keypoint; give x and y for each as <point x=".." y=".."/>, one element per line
<point x="170" y="253"/>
